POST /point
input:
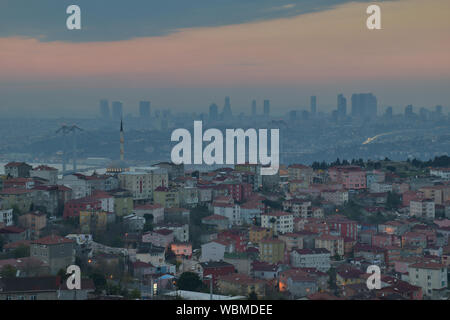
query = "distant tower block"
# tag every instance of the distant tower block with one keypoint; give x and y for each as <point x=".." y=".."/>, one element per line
<point x="267" y="108"/>
<point x="117" y="110"/>
<point x="104" y="109"/>
<point x="227" y="113"/>
<point x="254" y="108"/>
<point x="144" y="109"/>
<point x="313" y="105"/>
<point x="122" y="140"/>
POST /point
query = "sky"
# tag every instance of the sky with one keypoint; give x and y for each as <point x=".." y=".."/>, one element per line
<point x="184" y="55"/>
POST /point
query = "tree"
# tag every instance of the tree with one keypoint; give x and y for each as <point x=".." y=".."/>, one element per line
<point x="21" y="252"/>
<point x="391" y="168"/>
<point x="252" y="296"/>
<point x="273" y="204"/>
<point x="189" y="281"/>
<point x="2" y="242"/>
<point x="134" y="294"/>
<point x="148" y="226"/>
<point x="99" y="281"/>
<point x="8" y="271"/>
<point x="393" y="200"/>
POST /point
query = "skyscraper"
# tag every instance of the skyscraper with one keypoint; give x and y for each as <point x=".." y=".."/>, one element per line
<point x="409" y="111"/>
<point x="104" y="109"/>
<point x="364" y="106"/>
<point x="213" y="112"/>
<point x="254" y="108"/>
<point x="388" y="113"/>
<point x="313" y="105"/>
<point x="267" y="108"/>
<point x="341" y="106"/>
<point x="144" y="109"/>
<point x="117" y="110"/>
<point x="122" y="141"/>
<point x="227" y="114"/>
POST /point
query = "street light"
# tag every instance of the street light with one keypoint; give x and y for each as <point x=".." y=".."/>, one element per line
<point x="210" y="276"/>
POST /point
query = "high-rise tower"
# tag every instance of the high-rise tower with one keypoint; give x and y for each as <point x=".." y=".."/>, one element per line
<point x="122" y="140"/>
<point x="313" y="105"/>
<point x="104" y="109"/>
<point x="144" y="109"/>
<point x="226" y="113"/>
<point x="341" y="106"/>
<point x="254" y="108"/>
<point x="266" y="107"/>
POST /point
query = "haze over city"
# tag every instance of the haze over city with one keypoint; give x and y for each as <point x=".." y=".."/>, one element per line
<point x="183" y="59"/>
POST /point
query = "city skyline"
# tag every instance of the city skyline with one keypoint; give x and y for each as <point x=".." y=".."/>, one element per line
<point x="297" y="51"/>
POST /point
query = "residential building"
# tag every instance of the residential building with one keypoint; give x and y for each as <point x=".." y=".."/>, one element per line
<point x="311" y="258"/>
<point x="45" y="172"/>
<point x="17" y="169"/>
<point x="159" y="238"/>
<point x="166" y="197"/>
<point x="35" y="221"/>
<point x="300" y="172"/>
<point x="280" y="222"/>
<point x="6" y="217"/>
<point x="422" y="208"/>
<point x="156" y="210"/>
<point x="334" y="244"/>
<point x="241" y="284"/>
<point x="431" y="277"/>
<point x="271" y="251"/>
<point x="256" y="234"/>
<point x="351" y="177"/>
<point x="215" y="250"/>
<point x="57" y="252"/>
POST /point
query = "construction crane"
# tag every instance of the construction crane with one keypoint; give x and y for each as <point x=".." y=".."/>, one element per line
<point x="65" y="130"/>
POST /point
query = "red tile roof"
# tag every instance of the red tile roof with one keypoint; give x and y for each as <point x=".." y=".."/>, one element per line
<point x="215" y="217"/>
<point x="51" y="240"/>
<point x="427" y="265"/>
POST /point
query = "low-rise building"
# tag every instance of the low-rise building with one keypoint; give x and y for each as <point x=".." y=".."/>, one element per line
<point x="334" y="244"/>
<point x="280" y="222"/>
<point x="156" y="210"/>
<point x="422" y="208"/>
<point x="241" y="284"/>
<point x="159" y="238"/>
<point x="430" y="276"/>
<point x="271" y="251"/>
<point x="35" y="221"/>
<point x="311" y="258"/>
<point x="57" y="252"/>
<point x="6" y="217"/>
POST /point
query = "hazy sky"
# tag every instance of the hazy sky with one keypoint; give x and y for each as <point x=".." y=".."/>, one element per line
<point x="186" y="54"/>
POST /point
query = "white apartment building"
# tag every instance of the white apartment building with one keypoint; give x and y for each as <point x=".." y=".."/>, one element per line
<point x="311" y="258"/>
<point x="281" y="222"/>
<point x="45" y="172"/>
<point x="443" y="173"/>
<point x="77" y="182"/>
<point x="334" y="244"/>
<point x="143" y="181"/>
<point x="430" y="276"/>
<point x="230" y="211"/>
<point x="422" y="208"/>
<point x="6" y="217"/>
<point x="337" y="197"/>
<point x="376" y="187"/>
